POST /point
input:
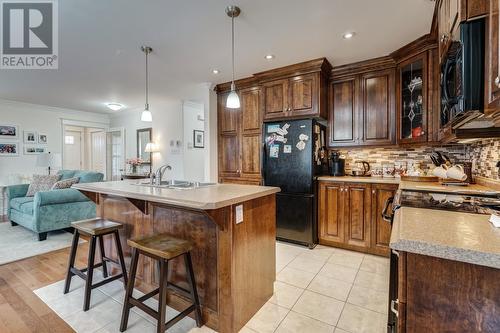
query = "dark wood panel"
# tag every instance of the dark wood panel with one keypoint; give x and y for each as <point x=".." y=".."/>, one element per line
<point x="381" y="229"/>
<point x="250" y="155"/>
<point x="378" y="110"/>
<point x="477" y="8"/>
<point x="250" y="110"/>
<point x="304" y="94"/>
<point x="242" y="181"/>
<point x="276" y="99"/>
<point x="229" y="155"/>
<point x="228" y="118"/>
<point x="342" y="120"/>
<point x="451" y="296"/>
<point x="331" y="213"/>
<point x="358" y="215"/>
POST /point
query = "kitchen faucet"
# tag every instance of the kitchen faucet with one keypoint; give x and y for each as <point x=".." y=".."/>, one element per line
<point x="158" y="175"/>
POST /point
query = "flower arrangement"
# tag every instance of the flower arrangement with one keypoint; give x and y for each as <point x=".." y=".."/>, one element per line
<point x="134" y="163"/>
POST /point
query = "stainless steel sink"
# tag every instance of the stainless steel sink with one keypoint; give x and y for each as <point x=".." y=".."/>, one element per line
<point x="178" y="184"/>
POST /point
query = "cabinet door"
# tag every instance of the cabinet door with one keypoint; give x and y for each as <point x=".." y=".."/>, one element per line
<point x="331" y="213"/>
<point x="381" y="229"/>
<point x="493" y="70"/>
<point x="378" y="108"/>
<point x="304" y="95"/>
<point x="443" y="26"/>
<point x="342" y="118"/>
<point x="250" y="110"/>
<point x="412" y="91"/>
<point x="357" y="215"/>
<point x="453" y="15"/>
<point x="276" y="95"/>
<point x="228" y="118"/>
<point x="250" y="133"/>
<point x="229" y="155"/>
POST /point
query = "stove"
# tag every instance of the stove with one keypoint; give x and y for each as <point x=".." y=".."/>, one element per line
<point x="459" y="202"/>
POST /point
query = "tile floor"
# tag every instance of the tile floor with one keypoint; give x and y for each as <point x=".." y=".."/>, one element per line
<point x="321" y="290"/>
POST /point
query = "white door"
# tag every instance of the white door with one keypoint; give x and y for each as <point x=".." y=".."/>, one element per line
<point x="72" y="150"/>
<point x="98" y="151"/>
<point x="115" y="153"/>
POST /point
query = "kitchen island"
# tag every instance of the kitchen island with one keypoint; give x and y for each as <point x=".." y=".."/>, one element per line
<point x="232" y="228"/>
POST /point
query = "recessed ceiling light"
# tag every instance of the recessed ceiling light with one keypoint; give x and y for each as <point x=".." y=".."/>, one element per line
<point x="348" y="35"/>
<point x="269" y="56"/>
<point x="215" y="71"/>
<point x="115" y="106"/>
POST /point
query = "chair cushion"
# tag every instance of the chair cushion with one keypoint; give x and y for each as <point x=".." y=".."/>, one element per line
<point x="42" y="183"/>
<point x="23" y="204"/>
<point x="65" y="183"/>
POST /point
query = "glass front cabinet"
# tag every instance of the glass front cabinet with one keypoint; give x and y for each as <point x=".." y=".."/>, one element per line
<point x="412" y="100"/>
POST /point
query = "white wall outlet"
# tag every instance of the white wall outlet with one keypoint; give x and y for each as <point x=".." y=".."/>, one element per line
<point x="239" y="214"/>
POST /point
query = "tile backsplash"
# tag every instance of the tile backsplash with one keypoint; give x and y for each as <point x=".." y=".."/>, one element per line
<point x="484" y="155"/>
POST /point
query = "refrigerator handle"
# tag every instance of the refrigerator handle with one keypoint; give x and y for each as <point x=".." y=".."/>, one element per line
<point x="264" y="162"/>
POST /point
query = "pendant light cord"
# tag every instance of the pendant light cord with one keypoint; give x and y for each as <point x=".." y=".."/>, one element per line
<point x="232" y="43"/>
<point x="147" y="80"/>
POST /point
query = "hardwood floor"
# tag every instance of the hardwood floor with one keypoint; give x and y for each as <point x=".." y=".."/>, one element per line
<point x="20" y="309"/>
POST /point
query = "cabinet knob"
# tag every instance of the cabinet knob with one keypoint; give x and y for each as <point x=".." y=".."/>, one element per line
<point x="497" y="81"/>
<point x="373" y="191"/>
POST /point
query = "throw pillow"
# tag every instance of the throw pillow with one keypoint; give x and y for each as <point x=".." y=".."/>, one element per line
<point x="42" y="183"/>
<point x="65" y="183"/>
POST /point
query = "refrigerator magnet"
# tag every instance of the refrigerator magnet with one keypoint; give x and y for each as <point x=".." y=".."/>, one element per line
<point x="274" y="151"/>
<point x="280" y="138"/>
<point x="286" y="126"/>
<point x="282" y="132"/>
<point x="273" y="128"/>
<point x="301" y="145"/>
<point x="287" y="149"/>
<point x="271" y="138"/>
<point x="303" y="137"/>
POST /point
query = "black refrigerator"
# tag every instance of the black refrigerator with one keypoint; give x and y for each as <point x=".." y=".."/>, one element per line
<point x="293" y="154"/>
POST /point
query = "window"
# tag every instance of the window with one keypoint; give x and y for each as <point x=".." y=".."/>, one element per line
<point x="69" y="140"/>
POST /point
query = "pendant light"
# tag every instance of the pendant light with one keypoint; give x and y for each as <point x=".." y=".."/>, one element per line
<point x="233" y="100"/>
<point x="146" y="114"/>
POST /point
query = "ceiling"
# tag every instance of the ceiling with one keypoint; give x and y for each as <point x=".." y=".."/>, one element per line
<point x="100" y="60"/>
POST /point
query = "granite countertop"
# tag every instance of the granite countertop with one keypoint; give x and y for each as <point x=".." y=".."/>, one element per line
<point x="371" y="180"/>
<point x="203" y="198"/>
<point x="437" y="187"/>
<point x="465" y="237"/>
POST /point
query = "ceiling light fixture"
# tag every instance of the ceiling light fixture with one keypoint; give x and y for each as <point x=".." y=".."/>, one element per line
<point x="215" y="71"/>
<point x="115" y="106"/>
<point x="233" y="100"/>
<point x="269" y="57"/>
<point x="146" y="114"/>
<point x="348" y="35"/>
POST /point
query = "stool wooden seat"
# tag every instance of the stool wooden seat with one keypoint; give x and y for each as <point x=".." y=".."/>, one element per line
<point x="95" y="229"/>
<point x="163" y="248"/>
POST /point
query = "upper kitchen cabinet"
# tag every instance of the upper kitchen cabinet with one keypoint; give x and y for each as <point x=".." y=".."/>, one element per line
<point x="492" y="72"/>
<point x="362" y="104"/>
<point x="412" y="87"/>
<point x="295" y="91"/>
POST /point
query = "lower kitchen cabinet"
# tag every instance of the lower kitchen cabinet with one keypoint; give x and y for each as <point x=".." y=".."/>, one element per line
<point x="350" y="216"/>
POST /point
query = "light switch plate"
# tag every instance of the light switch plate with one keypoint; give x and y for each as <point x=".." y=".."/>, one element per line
<point x="239" y="214"/>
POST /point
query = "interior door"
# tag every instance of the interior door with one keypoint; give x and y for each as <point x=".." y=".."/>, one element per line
<point x="98" y="151"/>
<point x="73" y="150"/>
<point x="115" y="153"/>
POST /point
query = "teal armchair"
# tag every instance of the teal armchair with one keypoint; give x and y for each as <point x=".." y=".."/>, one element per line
<point x="51" y="210"/>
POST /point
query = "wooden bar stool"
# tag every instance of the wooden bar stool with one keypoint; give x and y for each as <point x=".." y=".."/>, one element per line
<point x="95" y="229"/>
<point x="162" y="248"/>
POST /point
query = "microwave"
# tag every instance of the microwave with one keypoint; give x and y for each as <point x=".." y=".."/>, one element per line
<point x="462" y="76"/>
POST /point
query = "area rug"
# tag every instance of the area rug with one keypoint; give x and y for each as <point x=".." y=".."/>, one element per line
<point x="18" y="243"/>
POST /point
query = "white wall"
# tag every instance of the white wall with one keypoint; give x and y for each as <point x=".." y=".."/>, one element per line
<point x="194" y="158"/>
<point x="43" y="119"/>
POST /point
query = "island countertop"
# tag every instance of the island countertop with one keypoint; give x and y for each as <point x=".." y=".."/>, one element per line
<point x="456" y="236"/>
<point x="203" y="198"/>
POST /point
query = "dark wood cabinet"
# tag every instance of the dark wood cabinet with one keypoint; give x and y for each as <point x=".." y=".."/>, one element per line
<point x="381" y="229"/>
<point x="412" y="101"/>
<point x="362" y="109"/>
<point x="492" y="73"/>
<point x="293" y="97"/>
<point x="343" y="118"/>
<point x="449" y="17"/>
<point x="240" y="138"/>
<point x="349" y="216"/>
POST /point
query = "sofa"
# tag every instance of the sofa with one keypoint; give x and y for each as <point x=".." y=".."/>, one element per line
<point x="51" y="210"/>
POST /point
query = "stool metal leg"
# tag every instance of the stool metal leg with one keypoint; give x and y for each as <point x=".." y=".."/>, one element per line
<point x="71" y="262"/>
<point x="103" y="255"/>
<point x="162" y="297"/>
<point x="90" y="273"/>
<point x="120" y="257"/>
<point x="129" y="291"/>
<point x="192" y="285"/>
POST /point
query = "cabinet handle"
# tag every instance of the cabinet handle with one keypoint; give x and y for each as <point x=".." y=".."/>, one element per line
<point x="395" y="253"/>
<point x="393" y="307"/>
<point x="497" y="81"/>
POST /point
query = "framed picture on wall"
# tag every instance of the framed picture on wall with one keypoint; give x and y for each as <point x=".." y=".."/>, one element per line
<point x="30" y="137"/>
<point x="198" y="139"/>
<point x="42" y="139"/>
<point x="9" y="149"/>
<point x="9" y="132"/>
<point x="34" y="150"/>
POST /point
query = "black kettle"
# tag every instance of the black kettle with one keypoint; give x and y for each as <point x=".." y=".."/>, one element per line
<point x="336" y="165"/>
